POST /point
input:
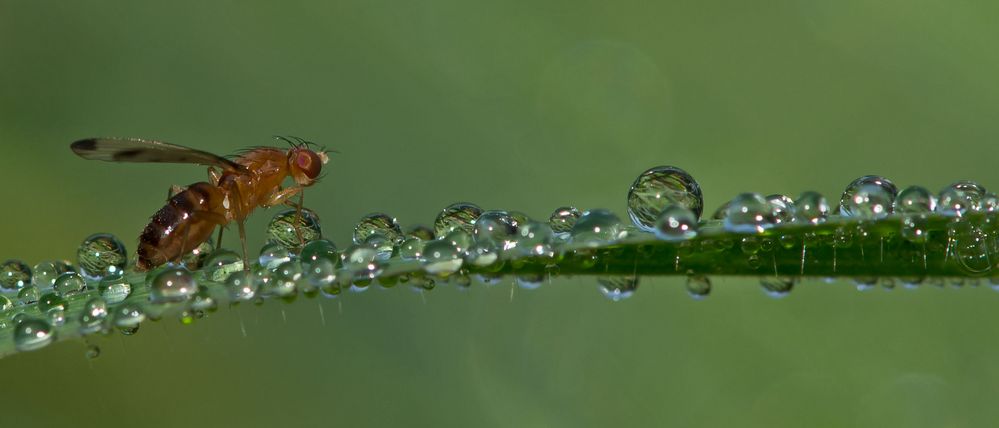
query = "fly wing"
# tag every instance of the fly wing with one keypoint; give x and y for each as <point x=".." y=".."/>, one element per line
<point x="139" y="150"/>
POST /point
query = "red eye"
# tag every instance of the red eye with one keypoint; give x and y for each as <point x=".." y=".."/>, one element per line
<point x="309" y="163"/>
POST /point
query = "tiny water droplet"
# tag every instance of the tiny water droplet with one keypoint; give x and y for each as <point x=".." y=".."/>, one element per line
<point x="777" y="286"/>
<point x="749" y="213"/>
<point x="698" y="286"/>
<point x="173" y="285"/>
<point x="100" y="255"/>
<point x="28" y="295"/>
<point x="289" y="230"/>
<point x="597" y="227"/>
<point x="990" y="203"/>
<point x="495" y="228"/>
<point x="563" y="219"/>
<point x="241" y="286"/>
<point x="865" y="283"/>
<point x="441" y="257"/>
<point x="14" y="275"/>
<point x="782" y="208"/>
<point x="617" y="288"/>
<point x="95" y="311"/>
<point x="33" y="334"/>
<point x="659" y="187"/>
<point x="915" y="200"/>
<point x="868" y="198"/>
<point x="960" y="198"/>
<point x="676" y="223"/>
<point x="92" y="352"/>
<point x="49" y="301"/>
<point x="458" y="216"/>
<point x="273" y="254"/>
<point x="129" y="315"/>
<point x="378" y="223"/>
<point x="811" y="207"/>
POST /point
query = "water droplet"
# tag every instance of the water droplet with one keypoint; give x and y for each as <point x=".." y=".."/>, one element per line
<point x="319" y="249"/>
<point x="93" y="351"/>
<point x="197" y="258"/>
<point x="676" y="223"/>
<point x="56" y="317"/>
<point x="971" y="248"/>
<point x="563" y="219"/>
<point x="659" y="187"/>
<point x="530" y="281"/>
<point x="782" y="208"/>
<point x="535" y="239"/>
<point x="990" y="203"/>
<point x="321" y="274"/>
<point x="748" y="213"/>
<point x="459" y="239"/>
<point x="811" y="207"/>
<point x="173" y="285"/>
<point x="698" y="286"/>
<point x="441" y="257"/>
<point x="482" y="255"/>
<point x="273" y="254"/>
<point x="495" y="228"/>
<point x="915" y="200"/>
<point x="100" y="255"/>
<point x="285" y="279"/>
<point x="14" y="275"/>
<point x="50" y="301"/>
<point x="69" y="283"/>
<point x="914" y="227"/>
<point x="291" y="231"/>
<point x="912" y="282"/>
<point x="242" y="286"/>
<point x="777" y="286"/>
<point x="422" y="232"/>
<point x="617" y="288"/>
<point x="223" y="263"/>
<point x="5" y="304"/>
<point x="44" y="274"/>
<point x="378" y="223"/>
<point x="597" y="227"/>
<point x="869" y="197"/>
<point x="361" y="261"/>
<point x="865" y="283"/>
<point x="459" y="216"/>
<point x="95" y="311"/>
<point x="33" y="334"/>
<point x="28" y="295"/>
<point x="129" y="315"/>
<point x="411" y="249"/>
<point x="960" y="198"/>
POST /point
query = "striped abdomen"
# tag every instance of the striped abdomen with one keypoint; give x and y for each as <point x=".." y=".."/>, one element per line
<point x="187" y="220"/>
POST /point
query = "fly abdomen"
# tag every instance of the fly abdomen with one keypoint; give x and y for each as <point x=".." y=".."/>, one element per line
<point x="186" y="221"/>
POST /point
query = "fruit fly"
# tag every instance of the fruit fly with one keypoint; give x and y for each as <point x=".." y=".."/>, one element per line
<point x="236" y="187"/>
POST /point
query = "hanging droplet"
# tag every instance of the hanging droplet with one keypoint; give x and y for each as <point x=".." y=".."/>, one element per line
<point x="676" y="223"/>
<point x="441" y="257"/>
<point x="129" y="315"/>
<point x="95" y="312"/>
<point x="875" y="199"/>
<point x="223" y="263"/>
<point x="777" y="286"/>
<point x="960" y="198"/>
<point x="378" y="223"/>
<point x="563" y="219"/>
<point x="915" y="227"/>
<point x="93" y="351"/>
<point x="14" y="275"/>
<point x="482" y="255"/>
<point x="597" y="227"/>
<point x="698" y="286"/>
<point x="659" y="187"/>
<point x="284" y="280"/>
<point x="865" y="283"/>
<point x="460" y="216"/>
<point x="495" y="228"/>
<point x="321" y="274"/>
<point x="293" y="230"/>
<point x="811" y="207"/>
<point x="915" y="200"/>
<point x="618" y="288"/>
<point x="530" y="281"/>
<point x="173" y="285"/>
<point x="782" y="208"/>
<point x="69" y="283"/>
<point x="33" y="334"/>
<point x="749" y="213"/>
<point x="273" y="254"/>
<point x="241" y="286"/>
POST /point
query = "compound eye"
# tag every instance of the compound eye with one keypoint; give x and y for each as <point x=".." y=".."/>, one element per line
<point x="309" y="162"/>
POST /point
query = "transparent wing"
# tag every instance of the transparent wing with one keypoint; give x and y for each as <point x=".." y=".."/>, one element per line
<point x="139" y="150"/>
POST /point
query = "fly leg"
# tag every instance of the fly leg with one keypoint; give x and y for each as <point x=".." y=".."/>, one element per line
<point x="284" y="196"/>
<point x="242" y="241"/>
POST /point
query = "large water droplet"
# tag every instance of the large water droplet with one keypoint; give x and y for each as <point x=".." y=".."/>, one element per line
<point x="319" y="249"/>
<point x="461" y="216"/>
<point x="659" y="187"/>
<point x="618" y="288"/>
<point x="782" y="208"/>
<point x="597" y="227"/>
<point x="223" y="263"/>
<point x="33" y="334"/>
<point x="384" y="247"/>
<point x="441" y="257"/>
<point x="915" y="200"/>
<point x="28" y="295"/>
<point x="749" y="213"/>
<point x="915" y="227"/>
<point x="495" y="228"/>
<point x="95" y="311"/>
<point x="960" y="198"/>
<point x="273" y="254"/>
<point x="49" y="301"/>
<point x="285" y="279"/>
<point x="361" y="261"/>
<point x="378" y="223"/>
<point x="173" y="285"/>
<point x="811" y="207"/>
<point x="563" y="219"/>
<point x="535" y="239"/>
<point x="241" y="286"/>
<point x="411" y="249"/>
<point x="849" y="201"/>
<point x="101" y="255"/>
<point x="291" y="230"/>
<point x="14" y="275"/>
<point x="698" y="286"/>
<point x="676" y="223"/>
<point x="45" y="273"/>
<point x="69" y="283"/>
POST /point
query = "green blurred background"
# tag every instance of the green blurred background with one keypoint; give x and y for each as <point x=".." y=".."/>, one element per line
<point x="523" y="105"/>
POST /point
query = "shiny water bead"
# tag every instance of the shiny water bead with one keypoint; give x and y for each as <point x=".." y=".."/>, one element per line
<point x="285" y="279"/>
<point x="659" y="187"/>
<point x="320" y="274"/>
<point x="69" y="283"/>
<point x="865" y="283"/>
<point x="782" y="207"/>
<point x="411" y="249"/>
<point x="698" y="286"/>
<point x="618" y="288"/>
<point x="20" y="317"/>
<point x="173" y="285"/>
<point x="990" y="203"/>
<point x="440" y="257"/>
<point x="273" y="254"/>
<point x="5" y="303"/>
<point x="777" y="286"/>
<point x="461" y="215"/>
<point x="383" y="246"/>
<point x="49" y="301"/>
<point x="915" y="227"/>
<point x="378" y="223"/>
<point x="849" y="202"/>
<point x="481" y="255"/>
<point x="100" y="255"/>
<point x="748" y="213"/>
<point x="129" y="315"/>
<point x="291" y="230"/>
<point x="319" y="249"/>
<point x="222" y="263"/>
<point x="95" y="311"/>
<point x="915" y="200"/>
<point x="563" y="219"/>
<point x="530" y="281"/>
<point x="676" y="223"/>
<point x="56" y="317"/>
<point x="44" y="274"/>
<point x="241" y="286"/>
<point x="811" y="207"/>
<point x="33" y="334"/>
<point x="495" y="228"/>
<point x="460" y="239"/>
<point x="535" y="239"/>
<point x="867" y="202"/>
<point x="597" y="227"/>
<point x="358" y="257"/>
<point x="197" y="258"/>
<point x="971" y="248"/>
<point x="960" y="198"/>
<point x="203" y="301"/>
<point x="14" y="275"/>
<point x="422" y="232"/>
<point x="28" y="295"/>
